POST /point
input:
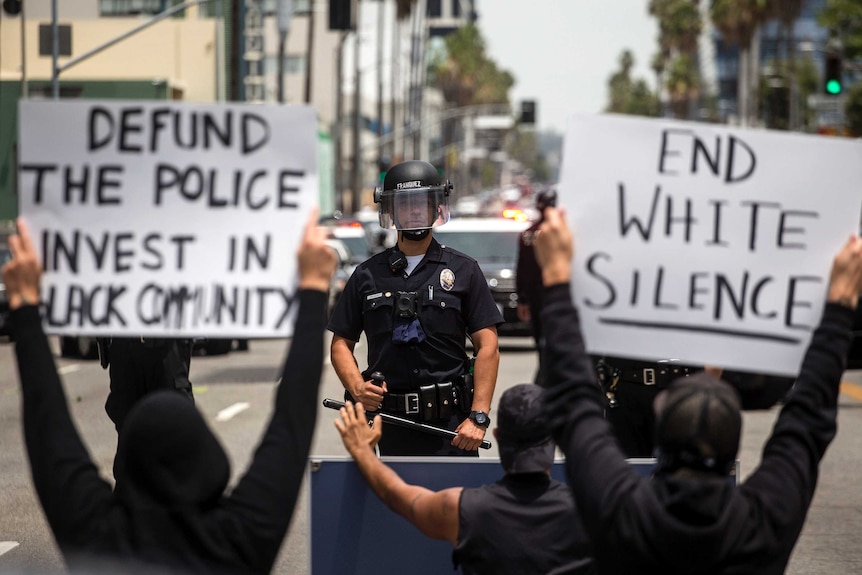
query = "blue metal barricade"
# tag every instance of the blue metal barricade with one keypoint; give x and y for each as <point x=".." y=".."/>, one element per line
<point x="352" y="531"/>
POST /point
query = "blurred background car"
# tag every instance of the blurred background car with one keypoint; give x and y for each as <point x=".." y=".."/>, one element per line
<point x="5" y="255"/>
<point x="79" y="346"/>
<point x="343" y="270"/>
<point x="379" y="238"/>
<point x="217" y="345"/>
<point x="493" y="243"/>
<point x="85" y="347"/>
<point x="854" y="358"/>
<point x="355" y="240"/>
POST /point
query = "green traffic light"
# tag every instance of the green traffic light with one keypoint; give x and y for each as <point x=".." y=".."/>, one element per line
<point x="833" y="87"/>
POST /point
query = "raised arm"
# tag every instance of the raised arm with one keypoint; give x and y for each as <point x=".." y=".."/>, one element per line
<point x="434" y="513"/>
<point x="70" y="489"/>
<point x="600" y="477"/>
<point x="807" y="423"/>
<point x="264" y="499"/>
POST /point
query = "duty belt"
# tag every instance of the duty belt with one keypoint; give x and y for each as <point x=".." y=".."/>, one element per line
<point x="659" y="374"/>
<point x="432" y="401"/>
<point x="401" y="402"/>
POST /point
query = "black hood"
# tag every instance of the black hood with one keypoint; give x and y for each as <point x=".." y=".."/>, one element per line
<point x="167" y="455"/>
<point x="699" y="515"/>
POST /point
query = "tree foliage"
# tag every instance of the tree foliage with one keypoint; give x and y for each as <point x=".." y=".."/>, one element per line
<point x="737" y="20"/>
<point x="465" y="73"/>
<point x="853" y="110"/>
<point x="627" y="95"/>
<point x="675" y="63"/>
<point x="524" y="148"/>
<point x="843" y="19"/>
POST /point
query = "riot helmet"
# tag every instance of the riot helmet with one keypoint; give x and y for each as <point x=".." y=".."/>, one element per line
<point x="414" y="199"/>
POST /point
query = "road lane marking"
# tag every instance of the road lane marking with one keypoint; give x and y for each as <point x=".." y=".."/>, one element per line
<point x="68" y="369"/>
<point x="853" y="390"/>
<point x="6" y="546"/>
<point x="228" y="412"/>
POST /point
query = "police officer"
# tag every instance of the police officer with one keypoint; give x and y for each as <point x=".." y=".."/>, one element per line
<point x="138" y="366"/>
<point x="416" y="303"/>
<point x="630" y="387"/>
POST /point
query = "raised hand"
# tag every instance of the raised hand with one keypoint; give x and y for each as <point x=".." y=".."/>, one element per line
<point x="22" y="273"/>
<point x="354" y="430"/>
<point x="554" y="247"/>
<point x="316" y="259"/>
<point x="845" y="282"/>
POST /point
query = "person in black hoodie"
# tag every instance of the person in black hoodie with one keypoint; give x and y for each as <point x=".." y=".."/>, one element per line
<point x="690" y="517"/>
<point x="169" y="512"/>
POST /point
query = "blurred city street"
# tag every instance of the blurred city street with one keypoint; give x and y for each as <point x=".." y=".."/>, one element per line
<point x="235" y="391"/>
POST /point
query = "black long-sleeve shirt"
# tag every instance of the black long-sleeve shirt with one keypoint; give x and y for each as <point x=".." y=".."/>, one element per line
<point x="668" y="524"/>
<point x="124" y="530"/>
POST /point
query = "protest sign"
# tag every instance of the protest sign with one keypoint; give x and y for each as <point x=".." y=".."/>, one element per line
<point x="705" y="244"/>
<point x="167" y="218"/>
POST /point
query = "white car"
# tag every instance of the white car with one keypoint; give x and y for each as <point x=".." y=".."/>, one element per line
<point x="493" y="243"/>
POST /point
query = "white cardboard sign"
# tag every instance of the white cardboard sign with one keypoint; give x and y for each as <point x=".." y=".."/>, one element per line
<point x="702" y="243"/>
<point x="167" y="218"/>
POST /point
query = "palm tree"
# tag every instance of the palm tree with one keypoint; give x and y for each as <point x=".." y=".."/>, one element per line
<point x="628" y="95"/>
<point x="738" y="21"/>
<point x="680" y="25"/>
<point x="468" y="77"/>
<point x="787" y="12"/>
<point x="403" y="8"/>
<point x="658" y="63"/>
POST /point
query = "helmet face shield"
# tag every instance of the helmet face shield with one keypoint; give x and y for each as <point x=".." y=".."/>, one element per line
<point x="415" y="208"/>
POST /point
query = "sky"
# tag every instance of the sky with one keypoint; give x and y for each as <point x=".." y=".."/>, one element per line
<point x="562" y="52"/>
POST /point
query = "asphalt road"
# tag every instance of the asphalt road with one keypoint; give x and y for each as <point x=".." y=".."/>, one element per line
<point x="235" y="393"/>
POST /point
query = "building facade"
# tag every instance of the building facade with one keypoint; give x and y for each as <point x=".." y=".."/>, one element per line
<point x="772" y="46"/>
<point x="220" y="50"/>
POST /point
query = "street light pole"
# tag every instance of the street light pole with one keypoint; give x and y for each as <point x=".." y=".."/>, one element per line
<point x="55" y="75"/>
<point x="338" y="131"/>
<point x="25" y="92"/>
<point x="395" y="68"/>
<point x="55" y="48"/>
<point x="417" y="85"/>
<point x="356" y="176"/>
<point x="380" y="24"/>
<point x="284" y="10"/>
<point x="309" y="57"/>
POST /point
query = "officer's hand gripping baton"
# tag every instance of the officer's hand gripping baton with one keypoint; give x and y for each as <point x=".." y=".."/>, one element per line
<point x="388" y="418"/>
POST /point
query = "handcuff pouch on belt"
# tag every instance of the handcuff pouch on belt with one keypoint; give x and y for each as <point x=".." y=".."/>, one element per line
<point x="444" y="400"/>
<point x="436" y="401"/>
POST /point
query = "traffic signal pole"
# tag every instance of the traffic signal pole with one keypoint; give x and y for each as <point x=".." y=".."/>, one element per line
<point x="25" y="91"/>
<point x="55" y="40"/>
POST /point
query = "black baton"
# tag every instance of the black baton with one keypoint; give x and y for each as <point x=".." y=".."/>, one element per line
<point x="388" y="418"/>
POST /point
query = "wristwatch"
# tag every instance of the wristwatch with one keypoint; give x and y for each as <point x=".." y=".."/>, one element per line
<point x="480" y="418"/>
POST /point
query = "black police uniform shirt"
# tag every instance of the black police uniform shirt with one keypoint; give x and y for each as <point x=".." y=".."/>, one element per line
<point x="452" y="298"/>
